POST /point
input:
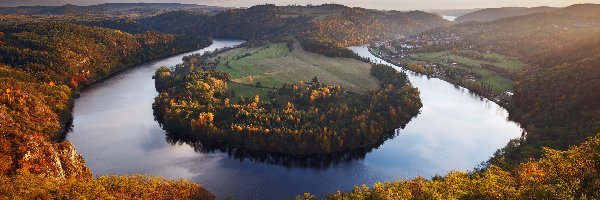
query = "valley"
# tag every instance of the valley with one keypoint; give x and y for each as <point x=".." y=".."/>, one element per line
<point x="185" y="101"/>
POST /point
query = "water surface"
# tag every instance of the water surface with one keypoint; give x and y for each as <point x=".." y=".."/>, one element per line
<point x="115" y="131"/>
<point x="449" y="18"/>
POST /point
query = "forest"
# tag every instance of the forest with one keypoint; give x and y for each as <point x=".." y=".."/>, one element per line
<point x="195" y="104"/>
<point x="43" y="66"/>
<point x="328" y="48"/>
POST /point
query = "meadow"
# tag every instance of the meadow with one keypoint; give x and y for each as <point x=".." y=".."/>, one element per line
<point x="274" y="64"/>
<point x="473" y="61"/>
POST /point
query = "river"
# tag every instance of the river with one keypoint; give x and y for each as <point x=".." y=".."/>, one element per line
<point x="115" y="131"/>
<point x="449" y="18"/>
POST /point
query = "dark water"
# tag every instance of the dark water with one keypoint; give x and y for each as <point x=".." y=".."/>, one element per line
<point x="115" y="131"/>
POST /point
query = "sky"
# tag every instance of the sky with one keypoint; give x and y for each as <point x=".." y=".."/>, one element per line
<point x="374" y="4"/>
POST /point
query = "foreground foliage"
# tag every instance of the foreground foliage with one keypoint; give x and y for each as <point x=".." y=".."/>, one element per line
<point x="303" y="118"/>
<point x="105" y="187"/>
<point x="570" y="174"/>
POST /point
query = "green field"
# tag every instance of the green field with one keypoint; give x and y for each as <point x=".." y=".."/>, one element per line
<point x="502" y="61"/>
<point x="243" y="90"/>
<point x="274" y="64"/>
<point x="498" y="83"/>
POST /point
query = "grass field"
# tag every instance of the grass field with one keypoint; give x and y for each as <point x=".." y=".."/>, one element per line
<point x="243" y="90"/>
<point x="274" y="64"/>
<point x="502" y="61"/>
<point x="498" y="83"/>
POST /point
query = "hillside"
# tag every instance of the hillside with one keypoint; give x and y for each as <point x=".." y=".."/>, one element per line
<point x="79" y="55"/>
<point x="555" y="97"/>
<point x="491" y="14"/>
<point x="42" y="68"/>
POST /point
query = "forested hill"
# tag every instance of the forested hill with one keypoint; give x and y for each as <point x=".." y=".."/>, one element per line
<point x="331" y="22"/>
<point x="556" y="98"/>
<point x="73" y="54"/>
<point x="108" y="9"/>
<point x="491" y="14"/>
<point x="42" y="67"/>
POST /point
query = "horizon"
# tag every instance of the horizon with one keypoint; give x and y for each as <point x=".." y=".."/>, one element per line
<point x="375" y="4"/>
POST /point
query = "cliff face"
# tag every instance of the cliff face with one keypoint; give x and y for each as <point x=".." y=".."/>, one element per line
<point x="35" y="155"/>
<point x="30" y="123"/>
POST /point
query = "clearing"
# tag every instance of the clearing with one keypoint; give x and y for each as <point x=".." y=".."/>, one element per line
<point x="274" y="64"/>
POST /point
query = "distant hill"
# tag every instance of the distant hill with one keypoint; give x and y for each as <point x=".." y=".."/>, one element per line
<point x="68" y="9"/>
<point x="490" y="14"/>
<point x="453" y="12"/>
<point x="146" y="6"/>
<point x="329" y="22"/>
<point x="110" y="9"/>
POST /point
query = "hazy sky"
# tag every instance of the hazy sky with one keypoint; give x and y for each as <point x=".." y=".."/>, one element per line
<point x="376" y="4"/>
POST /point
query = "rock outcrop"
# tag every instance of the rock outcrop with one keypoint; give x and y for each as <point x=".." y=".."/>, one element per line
<point x="35" y="155"/>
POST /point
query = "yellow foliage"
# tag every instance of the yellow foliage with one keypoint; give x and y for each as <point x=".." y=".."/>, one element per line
<point x="105" y="187"/>
<point x="571" y="174"/>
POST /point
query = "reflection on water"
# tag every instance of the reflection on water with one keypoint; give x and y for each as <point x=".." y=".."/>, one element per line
<point x="115" y="131"/>
<point x="304" y="161"/>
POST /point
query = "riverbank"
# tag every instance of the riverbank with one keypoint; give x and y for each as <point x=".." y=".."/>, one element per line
<point x="432" y="70"/>
<point x="66" y="119"/>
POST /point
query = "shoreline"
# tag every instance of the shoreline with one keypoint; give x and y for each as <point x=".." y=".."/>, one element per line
<point x="66" y="121"/>
<point x="503" y="104"/>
